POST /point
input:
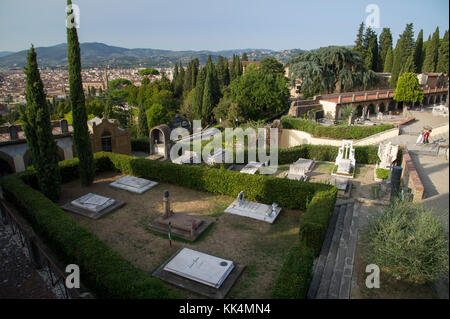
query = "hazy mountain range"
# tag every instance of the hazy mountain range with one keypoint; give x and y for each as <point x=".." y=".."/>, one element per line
<point x="100" y="54"/>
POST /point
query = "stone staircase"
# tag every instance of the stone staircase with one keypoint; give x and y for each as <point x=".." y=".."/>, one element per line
<point x="332" y="275"/>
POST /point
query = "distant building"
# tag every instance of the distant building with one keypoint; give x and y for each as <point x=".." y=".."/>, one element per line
<point x="106" y="135"/>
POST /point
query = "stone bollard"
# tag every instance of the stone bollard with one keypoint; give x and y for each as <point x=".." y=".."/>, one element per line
<point x="166" y="202"/>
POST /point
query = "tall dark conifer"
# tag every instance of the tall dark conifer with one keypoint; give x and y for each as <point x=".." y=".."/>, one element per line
<point x="403" y="49"/>
<point x="418" y="53"/>
<point x="38" y="131"/>
<point x="80" y="129"/>
<point x="385" y="44"/>
<point x="432" y="53"/>
<point x="442" y="65"/>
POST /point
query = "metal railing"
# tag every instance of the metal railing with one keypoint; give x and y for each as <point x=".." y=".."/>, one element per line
<point x="37" y="255"/>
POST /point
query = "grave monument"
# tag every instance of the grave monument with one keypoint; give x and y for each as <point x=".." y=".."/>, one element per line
<point x="182" y="225"/>
<point x="242" y="207"/>
<point x="301" y="169"/>
<point x="345" y="160"/>
<point x="133" y="184"/>
<point x="93" y="206"/>
<point x="387" y="154"/>
<point x="201" y="273"/>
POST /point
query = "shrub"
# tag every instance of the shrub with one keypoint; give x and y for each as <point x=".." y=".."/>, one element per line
<point x="334" y="132"/>
<point x="295" y="274"/>
<point x="408" y="242"/>
<point x="382" y="173"/>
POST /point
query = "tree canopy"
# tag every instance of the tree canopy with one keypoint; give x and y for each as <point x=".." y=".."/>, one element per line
<point x="259" y="95"/>
<point x="321" y="71"/>
<point x="408" y="88"/>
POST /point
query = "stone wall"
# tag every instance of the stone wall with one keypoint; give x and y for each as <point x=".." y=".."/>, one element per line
<point x="410" y="177"/>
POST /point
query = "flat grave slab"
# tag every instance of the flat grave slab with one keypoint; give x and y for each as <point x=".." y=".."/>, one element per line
<point x="93" y="206"/>
<point x="181" y="226"/>
<point x="254" y="210"/>
<point x="133" y="184"/>
<point x="251" y="168"/>
<point x="201" y="273"/>
<point x="300" y="169"/>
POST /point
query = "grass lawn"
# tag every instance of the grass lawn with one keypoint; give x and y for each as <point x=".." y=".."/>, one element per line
<point x="260" y="246"/>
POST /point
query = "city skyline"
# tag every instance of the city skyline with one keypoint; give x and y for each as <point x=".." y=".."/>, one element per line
<point x="200" y="25"/>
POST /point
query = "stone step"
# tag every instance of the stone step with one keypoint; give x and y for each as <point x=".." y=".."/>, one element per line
<point x="320" y="265"/>
<point x="346" y="281"/>
<point x="335" y="284"/>
<point x="325" y="281"/>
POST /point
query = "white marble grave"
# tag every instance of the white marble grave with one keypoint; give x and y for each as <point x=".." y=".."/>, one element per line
<point x="242" y="207"/>
<point x="252" y="167"/>
<point x="133" y="184"/>
<point x="93" y="202"/>
<point x="200" y="267"/>
<point x="387" y="154"/>
<point x="300" y="169"/>
<point x="346" y="158"/>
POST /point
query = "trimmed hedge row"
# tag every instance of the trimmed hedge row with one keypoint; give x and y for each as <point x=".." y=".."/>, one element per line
<point x="295" y="275"/>
<point x="334" y="132"/>
<point x="363" y="154"/>
<point x="102" y="269"/>
<point x="265" y="189"/>
<point x="314" y="222"/>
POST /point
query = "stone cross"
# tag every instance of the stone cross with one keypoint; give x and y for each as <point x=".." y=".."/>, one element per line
<point x="240" y="198"/>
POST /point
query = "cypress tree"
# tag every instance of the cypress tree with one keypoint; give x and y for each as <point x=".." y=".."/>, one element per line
<point x="403" y="50"/>
<point x="223" y="74"/>
<point x="359" y="42"/>
<point x="187" y="85"/>
<point x="142" y="128"/>
<point x="442" y="65"/>
<point x="418" y="52"/>
<point x="80" y="129"/>
<point x="385" y="44"/>
<point x="388" y="61"/>
<point x="244" y="56"/>
<point x="409" y="66"/>
<point x="208" y="97"/>
<point x="198" y="95"/>
<point x="371" y="49"/>
<point x="38" y="131"/>
<point x="432" y="53"/>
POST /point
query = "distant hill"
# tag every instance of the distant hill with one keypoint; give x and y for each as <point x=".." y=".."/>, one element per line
<point x="5" y="53"/>
<point x="99" y="55"/>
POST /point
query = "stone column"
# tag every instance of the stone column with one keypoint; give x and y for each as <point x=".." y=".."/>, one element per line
<point x="166" y="202"/>
<point x="353" y="98"/>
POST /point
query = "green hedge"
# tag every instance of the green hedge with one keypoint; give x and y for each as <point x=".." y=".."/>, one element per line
<point x="363" y="154"/>
<point x="334" y="132"/>
<point x="141" y="144"/>
<point x="295" y="274"/>
<point x="107" y="273"/>
<point x="265" y="189"/>
<point x="314" y="222"/>
<point x="294" y="277"/>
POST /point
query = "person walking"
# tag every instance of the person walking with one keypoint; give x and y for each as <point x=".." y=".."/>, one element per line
<point x="426" y="136"/>
<point x="420" y="138"/>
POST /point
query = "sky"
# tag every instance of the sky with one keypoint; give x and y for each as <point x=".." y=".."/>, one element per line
<point x="211" y="24"/>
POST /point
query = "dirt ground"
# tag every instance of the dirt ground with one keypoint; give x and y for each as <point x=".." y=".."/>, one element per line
<point x="258" y="245"/>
